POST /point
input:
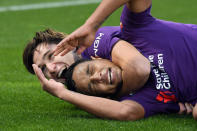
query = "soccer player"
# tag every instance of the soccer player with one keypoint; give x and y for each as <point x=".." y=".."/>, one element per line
<point x="40" y="51"/>
<point x="107" y="45"/>
<point x="136" y="22"/>
<point x="102" y="78"/>
<point x="169" y="46"/>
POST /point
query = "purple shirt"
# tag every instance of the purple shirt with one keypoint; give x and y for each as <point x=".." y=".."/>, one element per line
<point x="105" y="39"/>
<point x="170" y="47"/>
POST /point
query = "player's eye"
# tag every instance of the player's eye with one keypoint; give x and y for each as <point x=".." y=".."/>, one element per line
<point x="50" y="56"/>
<point x="88" y="70"/>
<point x="91" y="70"/>
<point x="43" y="68"/>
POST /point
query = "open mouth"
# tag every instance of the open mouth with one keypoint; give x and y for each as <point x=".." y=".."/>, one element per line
<point x="62" y="73"/>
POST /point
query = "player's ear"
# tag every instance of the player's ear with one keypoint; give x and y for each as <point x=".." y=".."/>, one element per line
<point x="97" y="57"/>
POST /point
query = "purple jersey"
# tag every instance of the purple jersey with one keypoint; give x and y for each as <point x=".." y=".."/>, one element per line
<point x="154" y="101"/>
<point x="170" y="47"/>
<point x="105" y="39"/>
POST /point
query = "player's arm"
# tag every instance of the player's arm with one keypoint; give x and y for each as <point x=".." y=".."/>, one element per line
<point x="135" y="67"/>
<point x="102" y="107"/>
<point x="84" y="35"/>
<point x="195" y="112"/>
<point x="185" y="108"/>
<point x="138" y="6"/>
<point x="103" y="10"/>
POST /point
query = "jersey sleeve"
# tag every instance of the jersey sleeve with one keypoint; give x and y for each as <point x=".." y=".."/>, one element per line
<point x="105" y="39"/>
<point x="131" y="20"/>
<point x="147" y="98"/>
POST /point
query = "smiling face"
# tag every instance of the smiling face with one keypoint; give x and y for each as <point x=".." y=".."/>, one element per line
<point x="97" y="77"/>
<point x="52" y="66"/>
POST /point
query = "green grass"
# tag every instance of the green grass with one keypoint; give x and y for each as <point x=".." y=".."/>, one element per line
<point x="23" y="104"/>
<point x="23" y="2"/>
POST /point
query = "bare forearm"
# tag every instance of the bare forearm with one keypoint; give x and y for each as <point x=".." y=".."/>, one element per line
<point x="105" y="9"/>
<point x="105" y="108"/>
<point x="138" y="6"/>
<point x="135" y="67"/>
<point x="102" y="107"/>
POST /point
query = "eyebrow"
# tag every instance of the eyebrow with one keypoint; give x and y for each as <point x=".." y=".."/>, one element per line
<point x="45" y="54"/>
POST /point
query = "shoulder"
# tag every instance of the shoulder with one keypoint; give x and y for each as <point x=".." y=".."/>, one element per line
<point x="108" y="30"/>
<point x="105" y="35"/>
<point x="105" y="38"/>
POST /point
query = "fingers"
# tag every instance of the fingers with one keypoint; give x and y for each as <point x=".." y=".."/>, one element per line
<point x="195" y="111"/>
<point x="81" y="49"/>
<point x="68" y="49"/>
<point x="60" y="48"/>
<point x="64" y="41"/>
<point x="182" y="108"/>
<point x="39" y="74"/>
<point x="66" y="45"/>
<point x="189" y="108"/>
<point x="51" y="86"/>
<point x="185" y="108"/>
<point x="63" y="50"/>
<point x="57" y="51"/>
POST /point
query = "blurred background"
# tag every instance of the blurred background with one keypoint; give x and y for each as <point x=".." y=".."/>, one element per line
<point x="23" y="104"/>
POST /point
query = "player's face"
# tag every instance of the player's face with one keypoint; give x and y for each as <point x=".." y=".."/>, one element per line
<point x="97" y="77"/>
<point x="52" y="66"/>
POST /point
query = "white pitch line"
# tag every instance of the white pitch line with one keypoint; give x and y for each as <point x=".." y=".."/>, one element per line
<point x="47" y="5"/>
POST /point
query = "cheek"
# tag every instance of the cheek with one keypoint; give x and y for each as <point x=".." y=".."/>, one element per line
<point x="102" y="88"/>
<point x="81" y="90"/>
<point x="80" y="86"/>
<point x="36" y="59"/>
<point x="105" y="89"/>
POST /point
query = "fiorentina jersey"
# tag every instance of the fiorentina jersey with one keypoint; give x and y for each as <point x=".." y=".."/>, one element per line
<point x="105" y="39"/>
<point x="171" y="49"/>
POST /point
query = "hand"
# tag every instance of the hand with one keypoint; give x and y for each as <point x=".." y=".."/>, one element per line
<point x="185" y="108"/>
<point x="195" y="112"/>
<point x="83" y="37"/>
<point x="51" y="86"/>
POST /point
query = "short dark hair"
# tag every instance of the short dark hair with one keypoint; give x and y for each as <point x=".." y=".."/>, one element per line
<point x="69" y="73"/>
<point x="47" y="36"/>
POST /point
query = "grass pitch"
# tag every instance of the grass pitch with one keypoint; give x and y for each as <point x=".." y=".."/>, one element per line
<point x="23" y="104"/>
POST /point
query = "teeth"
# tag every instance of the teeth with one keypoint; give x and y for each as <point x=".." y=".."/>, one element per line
<point x="60" y="73"/>
<point x="109" y="76"/>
